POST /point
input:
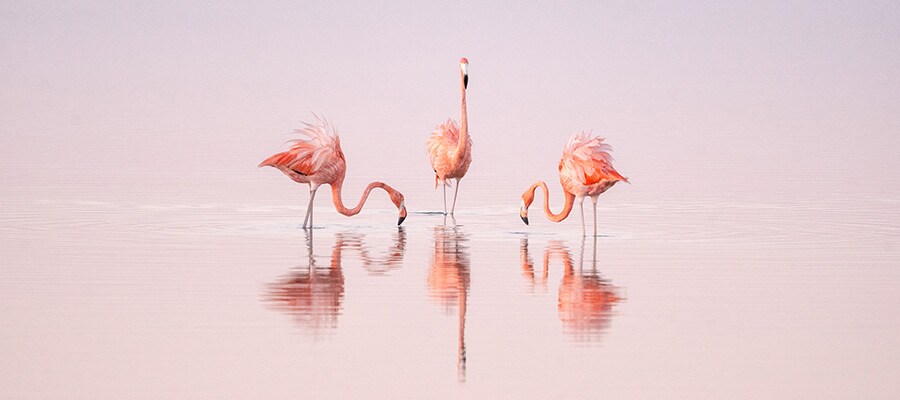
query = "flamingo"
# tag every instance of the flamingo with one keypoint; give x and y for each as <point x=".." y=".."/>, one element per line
<point x="450" y="148"/>
<point x="584" y="170"/>
<point x="316" y="159"/>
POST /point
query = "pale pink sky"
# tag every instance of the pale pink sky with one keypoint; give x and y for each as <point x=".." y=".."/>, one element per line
<point x="701" y="98"/>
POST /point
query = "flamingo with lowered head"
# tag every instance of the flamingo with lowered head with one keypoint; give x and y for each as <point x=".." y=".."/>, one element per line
<point x="584" y="170"/>
<point x="316" y="159"/>
<point x="450" y="148"/>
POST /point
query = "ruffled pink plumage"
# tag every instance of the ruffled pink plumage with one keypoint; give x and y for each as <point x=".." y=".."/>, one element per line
<point x="587" y="160"/>
<point x="315" y="157"/>
<point x="442" y="152"/>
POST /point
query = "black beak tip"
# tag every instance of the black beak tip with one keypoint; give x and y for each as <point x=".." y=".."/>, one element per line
<point x="524" y="219"/>
<point x="400" y="220"/>
<point x="466" y="81"/>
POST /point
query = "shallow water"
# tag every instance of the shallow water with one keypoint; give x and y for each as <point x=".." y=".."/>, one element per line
<point x="207" y="300"/>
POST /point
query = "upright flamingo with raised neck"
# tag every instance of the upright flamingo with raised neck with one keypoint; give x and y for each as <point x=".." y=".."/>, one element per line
<point x="316" y="159"/>
<point x="584" y="170"/>
<point x="450" y="148"/>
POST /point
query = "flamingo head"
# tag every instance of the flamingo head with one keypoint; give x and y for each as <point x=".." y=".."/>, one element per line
<point x="397" y="199"/>
<point x="527" y="199"/>
<point x="464" y="69"/>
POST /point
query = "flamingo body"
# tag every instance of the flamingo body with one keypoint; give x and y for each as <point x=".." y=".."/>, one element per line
<point x="442" y="152"/>
<point x="585" y="170"/>
<point x="316" y="159"/>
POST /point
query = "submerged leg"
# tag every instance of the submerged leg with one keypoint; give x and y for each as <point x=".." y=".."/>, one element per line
<point x="455" y="192"/>
<point x="594" y="200"/>
<point x="309" y="247"/>
<point x="581" y="255"/>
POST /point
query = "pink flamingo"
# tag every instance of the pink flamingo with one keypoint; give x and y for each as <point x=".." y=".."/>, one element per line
<point x="450" y="148"/>
<point x="317" y="159"/>
<point x="584" y="170"/>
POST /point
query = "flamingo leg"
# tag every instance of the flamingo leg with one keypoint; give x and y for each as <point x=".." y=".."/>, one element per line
<point x="312" y="195"/>
<point x="308" y="207"/>
<point x="445" y="198"/>
<point x="594" y="200"/>
<point x="455" y="192"/>
<point x="581" y="207"/>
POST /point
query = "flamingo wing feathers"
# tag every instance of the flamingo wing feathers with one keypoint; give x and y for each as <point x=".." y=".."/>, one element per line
<point x="318" y="147"/>
<point x="442" y="143"/>
<point x="587" y="159"/>
<point x="442" y="148"/>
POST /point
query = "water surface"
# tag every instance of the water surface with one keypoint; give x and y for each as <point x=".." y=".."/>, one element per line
<point x="107" y="299"/>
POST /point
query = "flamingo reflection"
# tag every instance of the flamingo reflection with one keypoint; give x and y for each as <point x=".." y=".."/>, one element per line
<point x="540" y="281"/>
<point x="586" y="300"/>
<point x="314" y="295"/>
<point x="448" y="282"/>
<point x="375" y="265"/>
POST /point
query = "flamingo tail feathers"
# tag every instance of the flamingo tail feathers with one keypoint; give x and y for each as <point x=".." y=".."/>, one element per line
<point x="281" y="159"/>
<point x="605" y="172"/>
<point x="438" y="180"/>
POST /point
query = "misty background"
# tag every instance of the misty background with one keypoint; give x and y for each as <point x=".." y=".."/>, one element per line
<point x="175" y="102"/>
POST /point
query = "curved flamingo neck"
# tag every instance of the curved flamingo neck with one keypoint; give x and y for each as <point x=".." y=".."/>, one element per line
<point x="567" y="207"/>
<point x="339" y="202"/>
<point x="463" y="120"/>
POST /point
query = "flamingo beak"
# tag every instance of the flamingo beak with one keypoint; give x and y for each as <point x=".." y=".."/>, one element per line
<point x="524" y="215"/>
<point x="465" y="72"/>
<point x="402" y="216"/>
